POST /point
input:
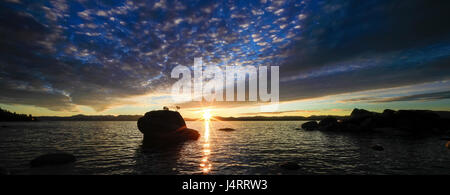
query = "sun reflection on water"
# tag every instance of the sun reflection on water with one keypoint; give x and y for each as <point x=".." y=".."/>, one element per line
<point x="205" y="165"/>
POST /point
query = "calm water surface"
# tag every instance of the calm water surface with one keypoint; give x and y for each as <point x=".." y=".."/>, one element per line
<point x="254" y="148"/>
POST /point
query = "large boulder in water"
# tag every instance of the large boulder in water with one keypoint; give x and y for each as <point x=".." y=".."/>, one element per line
<point x="359" y="115"/>
<point x="329" y="124"/>
<point x="422" y="121"/>
<point x="310" y="125"/>
<point x="165" y="127"/>
<point x="160" y="121"/>
<point x="53" y="159"/>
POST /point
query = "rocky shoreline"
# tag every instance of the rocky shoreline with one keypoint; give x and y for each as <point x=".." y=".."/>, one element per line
<point x="408" y="121"/>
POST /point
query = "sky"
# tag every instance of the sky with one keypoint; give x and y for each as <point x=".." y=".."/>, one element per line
<point x="63" y="58"/>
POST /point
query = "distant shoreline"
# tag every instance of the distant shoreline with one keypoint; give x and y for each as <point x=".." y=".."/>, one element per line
<point x="443" y="114"/>
<point x="136" y="117"/>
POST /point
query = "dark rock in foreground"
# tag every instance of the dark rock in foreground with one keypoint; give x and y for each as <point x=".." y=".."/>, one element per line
<point x="290" y="166"/>
<point x="310" y="125"/>
<point x="165" y="128"/>
<point x="53" y="159"/>
<point x="227" y="129"/>
<point x="410" y="121"/>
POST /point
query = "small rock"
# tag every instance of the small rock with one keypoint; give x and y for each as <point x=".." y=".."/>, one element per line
<point x="53" y="159"/>
<point x="311" y="125"/>
<point x="227" y="129"/>
<point x="377" y="148"/>
<point x="290" y="166"/>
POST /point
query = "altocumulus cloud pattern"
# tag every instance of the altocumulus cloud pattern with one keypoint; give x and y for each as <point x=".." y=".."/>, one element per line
<point x="60" y="54"/>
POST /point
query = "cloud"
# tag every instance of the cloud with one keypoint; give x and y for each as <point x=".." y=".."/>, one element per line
<point x="350" y="46"/>
<point x="61" y="55"/>
<point x="417" y="97"/>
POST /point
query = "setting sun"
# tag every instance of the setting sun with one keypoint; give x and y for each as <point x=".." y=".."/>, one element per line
<point x="207" y="115"/>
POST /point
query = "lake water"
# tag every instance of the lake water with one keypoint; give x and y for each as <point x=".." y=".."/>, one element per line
<point x="254" y="148"/>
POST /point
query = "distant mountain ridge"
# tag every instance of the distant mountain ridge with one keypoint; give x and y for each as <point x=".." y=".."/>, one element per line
<point x="136" y="117"/>
<point x="9" y="116"/>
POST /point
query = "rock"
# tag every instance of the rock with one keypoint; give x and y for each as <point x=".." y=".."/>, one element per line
<point x="388" y="113"/>
<point x="367" y="124"/>
<point x="444" y="124"/>
<point x="227" y="129"/>
<point x="53" y="159"/>
<point x="160" y="121"/>
<point x="311" y="125"/>
<point x="165" y="128"/>
<point x="328" y="124"/>
<point x="290" y="166"/>
<point x="416" y="121"/>
<point x="360" y="114"/>
<point x="351" y="127"/>
<point x="377" y="148"/>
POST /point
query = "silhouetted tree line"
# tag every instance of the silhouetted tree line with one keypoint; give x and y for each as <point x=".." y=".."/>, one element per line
<point x="6" y="115"/>
<point x="81" y="117"/>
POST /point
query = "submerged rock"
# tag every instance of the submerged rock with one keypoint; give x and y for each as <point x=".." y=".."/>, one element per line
<point x="53" y="159"/>
<point x="165" y="127"/>
<point x="310" y="125"/>
<point x="290" y="166"/>
<point x="227" y="129"/>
